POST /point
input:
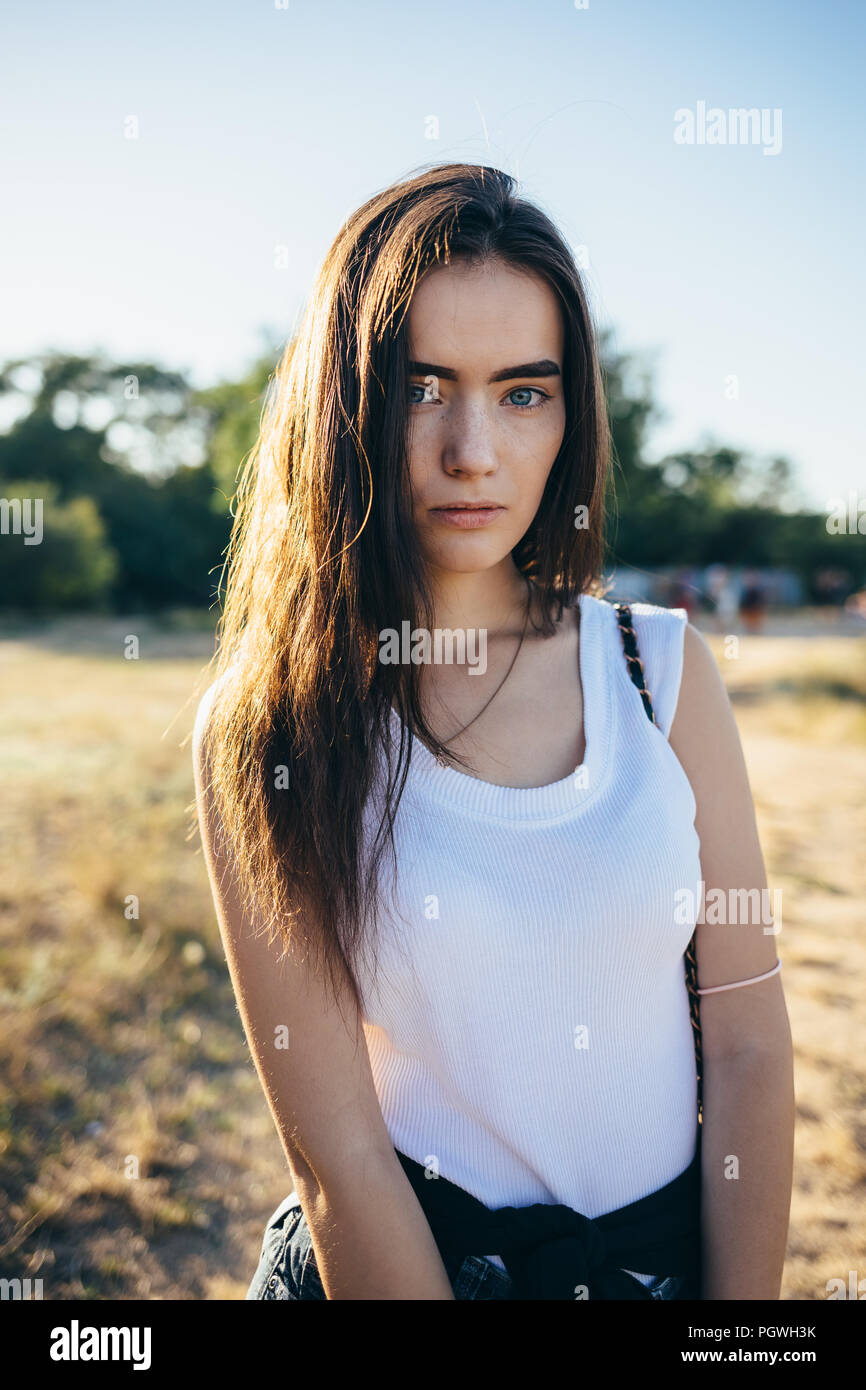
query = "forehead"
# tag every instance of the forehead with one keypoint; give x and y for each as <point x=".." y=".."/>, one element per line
<point x="462" y="313"/>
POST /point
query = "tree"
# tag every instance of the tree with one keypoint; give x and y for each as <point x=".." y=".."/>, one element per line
<point x="233" y="411"/>
<point x="69" y="565"/>
<point x="119" y="435"/>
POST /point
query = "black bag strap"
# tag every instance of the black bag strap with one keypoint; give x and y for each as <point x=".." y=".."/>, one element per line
<point x="636" y="671"/>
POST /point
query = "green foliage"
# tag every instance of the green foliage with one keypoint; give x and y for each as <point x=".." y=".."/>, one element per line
<point x="160" y="519"/>
<point x="233" y="409"/>
<point x="69" y="563"/>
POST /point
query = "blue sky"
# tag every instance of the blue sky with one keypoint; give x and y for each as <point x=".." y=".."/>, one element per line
<point x="262" y="127"/>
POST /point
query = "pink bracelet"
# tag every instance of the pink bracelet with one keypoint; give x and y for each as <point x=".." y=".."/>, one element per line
<point x="715" y="989"/>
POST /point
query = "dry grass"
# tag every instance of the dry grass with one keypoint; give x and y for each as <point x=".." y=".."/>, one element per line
<point x="137" y="1155"/>
<point x="801" y="708"/>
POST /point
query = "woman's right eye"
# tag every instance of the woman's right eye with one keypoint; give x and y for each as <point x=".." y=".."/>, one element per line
<point x="427" y="391"/>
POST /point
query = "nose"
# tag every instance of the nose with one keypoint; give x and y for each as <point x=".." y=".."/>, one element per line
<point x="469" y="445"/>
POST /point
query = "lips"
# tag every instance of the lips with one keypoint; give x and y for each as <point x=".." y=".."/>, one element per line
<point x="482" y="506"/>
<point x="467" y="516"/>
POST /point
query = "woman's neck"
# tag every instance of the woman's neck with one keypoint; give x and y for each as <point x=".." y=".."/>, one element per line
<point x="494" y="599"/>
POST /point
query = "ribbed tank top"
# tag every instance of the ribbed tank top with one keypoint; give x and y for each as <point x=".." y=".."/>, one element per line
<point x="528" y="1023"/>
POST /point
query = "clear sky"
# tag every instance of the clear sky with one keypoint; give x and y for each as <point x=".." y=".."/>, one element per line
<point x="262" y="126"/>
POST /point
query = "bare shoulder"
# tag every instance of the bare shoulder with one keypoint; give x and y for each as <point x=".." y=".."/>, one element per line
<point x="702" y="686"/>
<point x="203" y="718"/>
<point x="704" y="732"/>
<point x="209" y="819"/>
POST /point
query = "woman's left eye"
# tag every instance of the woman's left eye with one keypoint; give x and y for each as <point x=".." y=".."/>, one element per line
<point x="526" y="393"/>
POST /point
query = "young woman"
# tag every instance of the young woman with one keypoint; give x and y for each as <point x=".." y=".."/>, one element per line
<point x="457" y="896"/>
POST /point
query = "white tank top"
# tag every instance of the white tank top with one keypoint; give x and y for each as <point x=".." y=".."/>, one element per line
<point x="528" y="1026"/>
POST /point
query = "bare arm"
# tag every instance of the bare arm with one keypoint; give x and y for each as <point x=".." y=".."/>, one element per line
<point x="370" y="1236"/>
<point x="748" y="1092"/>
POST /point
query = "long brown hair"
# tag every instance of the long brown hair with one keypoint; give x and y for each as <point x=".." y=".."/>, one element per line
<point x="323" y="555"/>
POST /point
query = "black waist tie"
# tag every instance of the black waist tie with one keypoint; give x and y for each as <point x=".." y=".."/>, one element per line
<point x="549" y="1250"/>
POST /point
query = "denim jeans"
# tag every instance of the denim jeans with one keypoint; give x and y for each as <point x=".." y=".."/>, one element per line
<point x="287" y="1267"/>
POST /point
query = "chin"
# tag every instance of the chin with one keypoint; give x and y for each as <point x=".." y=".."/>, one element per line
<point x="468" y="556"/>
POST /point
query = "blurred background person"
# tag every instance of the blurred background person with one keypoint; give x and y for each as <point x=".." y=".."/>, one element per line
<point x="753" y="601"/>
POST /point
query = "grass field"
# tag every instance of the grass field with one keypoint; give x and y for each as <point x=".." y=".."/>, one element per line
<point x="137" y="1155"/>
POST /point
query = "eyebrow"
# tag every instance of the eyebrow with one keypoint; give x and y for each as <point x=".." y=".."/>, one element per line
<point x="544" y="367"/>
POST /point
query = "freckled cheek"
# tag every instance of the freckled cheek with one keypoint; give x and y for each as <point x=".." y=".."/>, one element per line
<point x="532" y="444"/>
<point x="541" y="432"/>
<point x="532" y="453"/>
